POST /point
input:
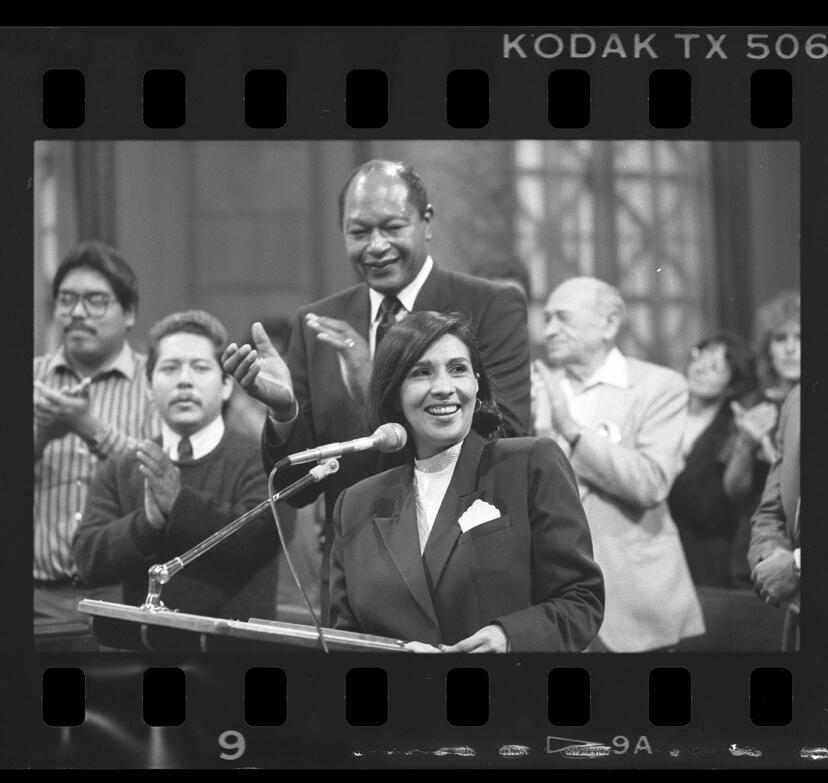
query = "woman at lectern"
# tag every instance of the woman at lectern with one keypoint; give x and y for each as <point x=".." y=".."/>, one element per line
<point x="474" y="545"/>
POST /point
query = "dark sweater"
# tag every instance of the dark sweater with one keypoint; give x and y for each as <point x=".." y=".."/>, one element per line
<point x="236" y="579"/>
<point x="705" y="516"/>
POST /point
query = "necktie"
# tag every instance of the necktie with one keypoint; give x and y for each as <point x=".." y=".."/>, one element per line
<point x="389" y="307"/>
<point x="185" y="450"/>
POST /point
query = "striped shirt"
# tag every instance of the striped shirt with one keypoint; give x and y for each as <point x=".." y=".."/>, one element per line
<point x="120" y="400"/>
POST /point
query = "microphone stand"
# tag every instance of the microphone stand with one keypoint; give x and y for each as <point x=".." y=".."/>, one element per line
<point x="161" y="573"/>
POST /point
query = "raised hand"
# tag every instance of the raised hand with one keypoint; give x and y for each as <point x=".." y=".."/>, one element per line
<point x="261" y="372"/>
<point x="352" y="348"/>
<point x="756" y="421"/>
<point x="756" y="424"/>
<point x="162" y="476"/>
<point x="548" y="391"/>
<point x="64" y="410"/>
<point x="154" y="515"/>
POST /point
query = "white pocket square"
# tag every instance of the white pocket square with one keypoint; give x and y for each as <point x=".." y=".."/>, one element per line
<point x="477" y="513"/>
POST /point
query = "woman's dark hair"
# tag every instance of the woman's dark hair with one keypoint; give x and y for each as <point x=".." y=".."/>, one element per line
<point x="106" y="261"/>
<point x="403" y="345"/>
<point x="739" y="359"/>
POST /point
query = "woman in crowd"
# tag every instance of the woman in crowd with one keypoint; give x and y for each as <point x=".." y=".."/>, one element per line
<point x="779" y="364"/>
<point x="720" y="371"/>
<point x="474" y="545"/>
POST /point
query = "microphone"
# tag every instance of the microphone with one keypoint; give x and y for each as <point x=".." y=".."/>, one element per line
<point x="387" y="438"/>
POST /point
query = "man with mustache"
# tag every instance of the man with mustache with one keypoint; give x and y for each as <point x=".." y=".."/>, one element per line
<point x="172" y="492"/>
<point x="316" y="394"/>
<point x="90" y="403"/>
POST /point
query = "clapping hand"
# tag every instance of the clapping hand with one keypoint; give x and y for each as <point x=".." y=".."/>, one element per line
<point x="64" y="410"/>
<point x="261" y="372"/>
<point x="154" y="515"/>
<point x="162" y="481"/>
<point x="352" y="348"/>
<point x="551" y="401"/>
<point x="756" y="424"/>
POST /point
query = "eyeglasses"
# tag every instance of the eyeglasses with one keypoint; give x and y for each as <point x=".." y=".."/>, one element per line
<point x="94" y="304"/>
<point x="713" y="360"/>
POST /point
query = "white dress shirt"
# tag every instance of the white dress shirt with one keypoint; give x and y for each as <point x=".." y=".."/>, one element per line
<point x="583" y="404"/>
<point x="431" y="479"/>
<point x="406" y="297"/>
<point x="203" y="441"/>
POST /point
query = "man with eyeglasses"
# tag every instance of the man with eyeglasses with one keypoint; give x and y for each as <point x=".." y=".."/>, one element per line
<point x="91" y="401"/>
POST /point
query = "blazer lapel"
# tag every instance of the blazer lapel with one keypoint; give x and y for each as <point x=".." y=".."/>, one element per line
<point x="461" y="493"/>
<point x="399" y="534"/>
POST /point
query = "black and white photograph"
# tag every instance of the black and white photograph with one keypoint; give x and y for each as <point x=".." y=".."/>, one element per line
<point x="528" y="396"/>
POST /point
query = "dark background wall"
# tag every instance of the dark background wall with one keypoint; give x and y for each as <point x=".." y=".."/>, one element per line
<point x="249" y="229"/>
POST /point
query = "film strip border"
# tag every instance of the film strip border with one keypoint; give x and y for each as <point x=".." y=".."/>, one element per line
<point x="435" y="82"/>
<point x="349" y="711"/>
<point x="736" y="709"/>
<point x="366" y="696"/>
<point x="466" y="95"/>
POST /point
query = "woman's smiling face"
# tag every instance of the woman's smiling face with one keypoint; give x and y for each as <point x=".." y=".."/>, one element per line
<point x="438" y="396"/>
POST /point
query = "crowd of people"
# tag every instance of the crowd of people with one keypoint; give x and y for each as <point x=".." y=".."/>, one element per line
<point x="574" y="502"/>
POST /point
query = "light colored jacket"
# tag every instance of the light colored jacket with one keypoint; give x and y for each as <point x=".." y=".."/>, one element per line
<point x="626" y="462"/>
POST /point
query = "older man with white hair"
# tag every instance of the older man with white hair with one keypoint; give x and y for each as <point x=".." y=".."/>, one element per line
<point x="620" y="420"/>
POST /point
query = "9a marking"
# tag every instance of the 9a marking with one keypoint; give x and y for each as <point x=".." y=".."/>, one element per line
<point x="621" y="745"/>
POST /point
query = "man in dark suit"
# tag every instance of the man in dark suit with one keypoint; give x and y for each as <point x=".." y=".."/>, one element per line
<point x="316" y="396"/>
<point x="774" y="540"/>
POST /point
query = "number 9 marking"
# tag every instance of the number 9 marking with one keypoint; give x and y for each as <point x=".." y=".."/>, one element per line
<point x="232" y="741"/>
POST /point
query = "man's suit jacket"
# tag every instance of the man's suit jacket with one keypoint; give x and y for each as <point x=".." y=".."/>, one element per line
<point x="530" y="570"/>
<point x="775" y="522"/>
<point x="651" y="601"/>
<point x="328" y="414"/>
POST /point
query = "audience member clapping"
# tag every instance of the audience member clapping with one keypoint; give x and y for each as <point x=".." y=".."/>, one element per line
<point x="720" y="371"/>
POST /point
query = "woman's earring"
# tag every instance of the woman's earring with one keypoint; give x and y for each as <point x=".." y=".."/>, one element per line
<point x="477" y="404"/>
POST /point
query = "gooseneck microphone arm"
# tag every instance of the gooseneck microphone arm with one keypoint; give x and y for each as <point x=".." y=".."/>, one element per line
<point x="161" y="573"/>
<point x="386" y="438"/>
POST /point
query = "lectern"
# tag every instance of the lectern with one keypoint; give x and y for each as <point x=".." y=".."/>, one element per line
<point x="153" y="626"/>
<point x="134" y="628"/>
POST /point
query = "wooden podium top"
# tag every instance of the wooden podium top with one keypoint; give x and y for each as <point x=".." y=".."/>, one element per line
<point x="285" y="635"/>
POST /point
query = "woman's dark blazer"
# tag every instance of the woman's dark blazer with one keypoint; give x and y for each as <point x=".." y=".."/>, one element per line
<point x="530" y="570"/>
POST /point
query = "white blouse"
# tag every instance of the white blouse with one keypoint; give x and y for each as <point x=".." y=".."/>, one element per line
<point x="431" y="479"/>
